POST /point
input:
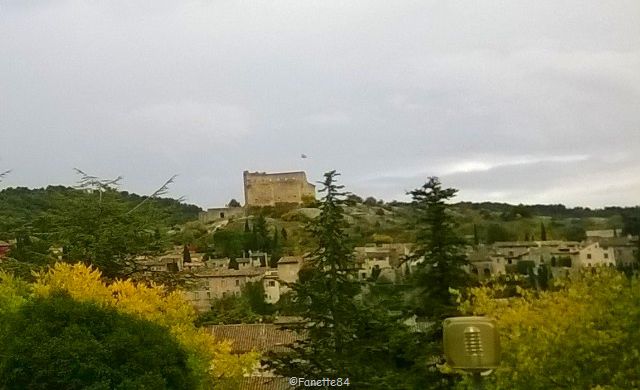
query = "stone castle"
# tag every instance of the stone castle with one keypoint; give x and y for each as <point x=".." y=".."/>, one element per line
<point x="267" y="189"/>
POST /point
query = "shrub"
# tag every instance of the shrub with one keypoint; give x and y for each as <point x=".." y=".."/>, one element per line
<point x="57" y="342"/>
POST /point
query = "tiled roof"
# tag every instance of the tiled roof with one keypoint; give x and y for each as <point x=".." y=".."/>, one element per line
<point x="221" y="273"/>
<point x="254" y="337"/>
<point x="264" y="383"/>
<point x="290" y="259"/>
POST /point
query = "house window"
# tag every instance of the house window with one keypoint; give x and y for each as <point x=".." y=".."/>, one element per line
<point x="363" y="275"/>
<point x="510" y="261"/>
<point x="272" y="283"/>
<point x="606" y="255"/>
<point x="221" y="215"/>
<point x="588" y="255"/>
<point x="237" y="282"/>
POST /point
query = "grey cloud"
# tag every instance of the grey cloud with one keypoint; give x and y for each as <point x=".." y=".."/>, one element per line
<point x="386" y="92"/>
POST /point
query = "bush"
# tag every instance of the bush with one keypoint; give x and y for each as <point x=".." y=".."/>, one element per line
<point x="497" y="233"/>
<point x="524" y="266"/>
<point x="57" y="342"/>
<point x="564" y="262"/>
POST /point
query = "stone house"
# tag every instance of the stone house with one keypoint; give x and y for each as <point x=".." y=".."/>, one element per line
<point x="385" y="259"/>
<point x="273" y="287"/>
<point x="594" y="255"/>
<point x="219" y="283"/>
<point x="275" y="281"/>
<point x="485" y="262"/>
<point x="289" y="267"/>
<point x="218" y="263"/>
<point x="625" y="249"/>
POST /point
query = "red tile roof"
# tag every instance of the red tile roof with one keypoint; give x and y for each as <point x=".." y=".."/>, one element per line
<point x="264" y="383"/>
<point x="254" y="337"/>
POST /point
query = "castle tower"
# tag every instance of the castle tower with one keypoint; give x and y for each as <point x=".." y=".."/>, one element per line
<point x="268" y="189"/>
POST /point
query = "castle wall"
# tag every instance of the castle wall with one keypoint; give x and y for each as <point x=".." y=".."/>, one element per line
<point x="267" y="189"/>
<point x="217" y="214"/>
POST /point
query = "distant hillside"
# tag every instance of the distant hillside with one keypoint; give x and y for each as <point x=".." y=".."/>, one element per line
<point x="372" y="221"/>
<point x="23" y="206"/>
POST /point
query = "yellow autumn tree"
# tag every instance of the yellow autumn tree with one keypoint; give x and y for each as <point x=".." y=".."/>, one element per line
<point x="582" y="334"/>
<point x="210" y="360"/>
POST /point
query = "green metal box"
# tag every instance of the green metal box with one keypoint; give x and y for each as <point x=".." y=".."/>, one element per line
<point x="471" y="343"/>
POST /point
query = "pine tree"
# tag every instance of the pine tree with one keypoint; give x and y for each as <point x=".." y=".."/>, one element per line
<point x="439" y="252"/>
<point x="439" y="258"/>
<point x="344" y="337"/>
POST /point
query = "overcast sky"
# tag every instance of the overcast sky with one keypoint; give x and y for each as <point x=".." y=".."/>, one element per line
<point x="533" y="102"/>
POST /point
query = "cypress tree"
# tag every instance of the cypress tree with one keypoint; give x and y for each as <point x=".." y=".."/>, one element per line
<point x="543" y="232"/>
<point x="186" y="254"/>
<point x="476" y="239"/>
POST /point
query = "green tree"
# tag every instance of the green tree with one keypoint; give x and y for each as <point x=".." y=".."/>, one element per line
<point x="186" y="254"/>
<point x="439" y="252"/>
<point x="575" y="233"/>
<point x="99" y="230"/>
<point x="497" y="232"/>
<point x="344" y="336"/>
<point x="439" y="257"/>
<point x="582" y="333"/>
<point x="370" y="201"/>
<point x="229" y="243"/>
<point x="543" y="232"/>
<point x="57" y="342"/>
<point x="262" y="241"/>
<point x="476" y="238"/>
<point x="276" y="249"/>
<point x="234" y="203"/>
